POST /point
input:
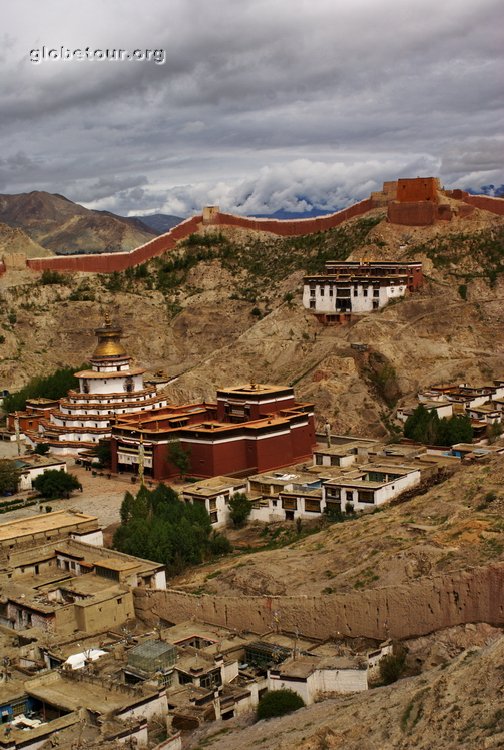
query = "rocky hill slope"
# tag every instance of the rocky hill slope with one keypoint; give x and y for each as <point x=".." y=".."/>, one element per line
<point x="226" y="307"/>
<point x="64" y="227"/>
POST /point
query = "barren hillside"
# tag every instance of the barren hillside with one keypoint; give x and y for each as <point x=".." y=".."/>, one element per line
<point x="61" y="226"/>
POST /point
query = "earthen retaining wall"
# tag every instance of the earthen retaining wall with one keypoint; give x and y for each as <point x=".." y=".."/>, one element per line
<point x="418" y="608"/>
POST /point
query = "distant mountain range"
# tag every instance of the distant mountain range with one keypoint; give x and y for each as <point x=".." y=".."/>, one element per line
<point x="281" y="214"/>
<point x="158" y="223"/>
<point x="55" y="224"/>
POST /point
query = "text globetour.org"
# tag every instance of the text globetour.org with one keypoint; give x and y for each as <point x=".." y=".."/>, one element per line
<point x="44" y="53"/>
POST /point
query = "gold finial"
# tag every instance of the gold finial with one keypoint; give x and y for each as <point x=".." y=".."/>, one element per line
<point x="108" y="320"/>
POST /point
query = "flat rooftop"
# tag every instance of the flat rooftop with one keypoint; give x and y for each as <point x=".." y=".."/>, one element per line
<point x="42" y="523"/>
<point x="254" y="389"/>
<point x="213" y="485"/>
<point x="69" y="695"/>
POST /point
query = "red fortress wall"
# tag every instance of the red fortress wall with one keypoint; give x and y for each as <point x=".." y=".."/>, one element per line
<point x="417" y="204"/>
<point x="109" y="262"/>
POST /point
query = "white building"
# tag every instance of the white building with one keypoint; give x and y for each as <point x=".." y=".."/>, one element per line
<point x="370" y="487"/>
<point x="351" y="287"/>
<point x="31" y="467"/>
<point x="111" y="387"/>
<point x="311" y="676"/>
<point x="215" y="494"/>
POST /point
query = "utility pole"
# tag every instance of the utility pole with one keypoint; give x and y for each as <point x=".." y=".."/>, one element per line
<point x="141" y="457"/>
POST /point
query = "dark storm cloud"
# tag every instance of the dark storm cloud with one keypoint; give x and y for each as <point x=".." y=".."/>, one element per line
<point x="258" y="106"/>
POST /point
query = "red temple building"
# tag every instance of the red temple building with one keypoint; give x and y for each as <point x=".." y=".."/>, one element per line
<point x="251" y="428"/>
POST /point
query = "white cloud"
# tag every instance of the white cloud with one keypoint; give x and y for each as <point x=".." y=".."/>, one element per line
<point x="273" y="105"/>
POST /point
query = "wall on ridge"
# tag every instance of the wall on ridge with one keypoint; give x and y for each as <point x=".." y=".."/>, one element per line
<point x="293" y="227"/>
<point x="495" y="205"/>
<point x="108" y="262"/>
<point x="418" y="608"/>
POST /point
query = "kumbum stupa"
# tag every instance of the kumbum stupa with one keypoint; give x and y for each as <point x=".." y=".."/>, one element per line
<point x="112" y="387"/>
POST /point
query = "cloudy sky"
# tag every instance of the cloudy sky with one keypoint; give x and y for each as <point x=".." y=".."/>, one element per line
<point x="259" y="105"/>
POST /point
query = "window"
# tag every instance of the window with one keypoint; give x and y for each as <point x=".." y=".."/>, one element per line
<point x="312" y="506"/>
<point x="312" y="304"/>
<point x="319" y="459"/>
<point x="366" y="496"/>
<point x="312" y="292"/>
<point x="355" y="291"/>
<point x="333" y="492"/>
<point x="322" y="291"/>
<point x="184" y="679"/>
<point x="331" y="292"/>
<point x="376" y="304"/>
<point x="365" y="292"/>
<point x="376" y="292"/>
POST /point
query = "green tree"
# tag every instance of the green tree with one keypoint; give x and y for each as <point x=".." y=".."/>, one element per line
<point x="53" y="484"/>
<point x="278" y="703"/>
<point x="156" y="525"/>
<point x="9" y="476"/>
<point x="52" y="386"/>
<point x="424" y="426"/>
<point x="179" y="457"/>
<point x="239" y="508"/>
<point x="103" y="453"/>
<point x="41" y="449"/>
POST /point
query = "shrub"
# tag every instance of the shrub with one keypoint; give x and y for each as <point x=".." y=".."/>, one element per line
<point x="239" y="509"/>
<point x="391" y="667"/>
<point x="278" y="703"/>
<point x="41" y="449"/>
<point x="462" y="290"/>
<point x="53" y="277"/>
<point x="53" y="484"/>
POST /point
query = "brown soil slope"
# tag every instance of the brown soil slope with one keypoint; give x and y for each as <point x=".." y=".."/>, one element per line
<point x="455" y="525"/>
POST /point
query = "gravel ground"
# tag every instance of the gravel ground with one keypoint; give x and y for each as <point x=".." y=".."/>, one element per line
<point x="100" y="496"/>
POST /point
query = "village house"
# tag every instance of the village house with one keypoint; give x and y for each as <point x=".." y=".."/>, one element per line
<point x="214" y="494"/>
<point x="31" y="467"/>
<point x="368" y="487"/>
<point x="347" y="288"/>
<point x="55" y="576"/>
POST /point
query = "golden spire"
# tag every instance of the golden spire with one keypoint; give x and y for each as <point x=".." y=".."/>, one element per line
<point x="109" y="340"/>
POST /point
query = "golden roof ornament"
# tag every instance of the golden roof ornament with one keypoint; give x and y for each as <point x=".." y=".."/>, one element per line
<point x="109" y="340"/>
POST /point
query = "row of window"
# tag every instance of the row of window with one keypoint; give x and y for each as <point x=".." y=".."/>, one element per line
<point x="344" y="292"/>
